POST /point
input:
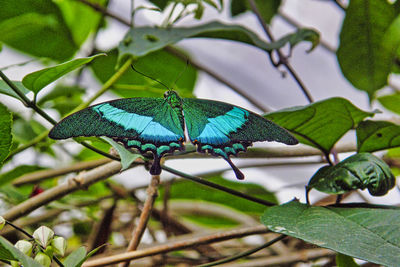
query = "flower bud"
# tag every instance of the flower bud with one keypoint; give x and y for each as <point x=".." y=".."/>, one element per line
<point x="2" y="222"/>
<point x="43" y="259"/>
<point x="59" y="244"/>
<point x="43" y="235"/>
<point x="24" y="246"/>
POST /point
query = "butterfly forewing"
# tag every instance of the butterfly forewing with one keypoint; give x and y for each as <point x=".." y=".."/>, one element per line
<point x="148" y="124"/>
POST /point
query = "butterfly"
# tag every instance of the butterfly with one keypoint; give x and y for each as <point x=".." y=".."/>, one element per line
<point x="157" y="125"/>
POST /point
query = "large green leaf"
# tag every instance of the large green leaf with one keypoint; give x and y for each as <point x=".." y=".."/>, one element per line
<point x="37" y="80"/>
<point x="36" y="27"/>
<point x="368" y="233"/>
<point x="7" y="249"/>
<point x="140" y="41"/>
<point x="364" y="61"/>
<point x="80" y="18"/>
<point x="359" y="171"/>
<point x="5" y="133"/>
<point x="5" y="89"/>
<point x="179" y="190"/>
<point x="160" y="65"/>
<point x="391" y="102"/>
<point x="320" y="124"/>
<point x="267" y="9"/>
<point x="377" y="135"/>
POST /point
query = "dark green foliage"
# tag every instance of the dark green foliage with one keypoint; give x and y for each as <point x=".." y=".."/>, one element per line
<point x="320" y="124"/>
<point x="268" y="9"/>
<point x="367" y="232"/>
<point x="359" y="171"/>
<point x="5" y="133"/>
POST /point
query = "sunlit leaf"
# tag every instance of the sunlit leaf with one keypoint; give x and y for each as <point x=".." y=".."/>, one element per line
<point x="377" y="135"/>
<point x="36" y="27"/>
<point x="364" y="61"/>
<point x="37" y="80"/>
<point x="369" y="233"/>
<point x="391" y="102"/>
<point x="320" y="124"/>
<point x="359" y="171"/>
<point x="345" y="261"/>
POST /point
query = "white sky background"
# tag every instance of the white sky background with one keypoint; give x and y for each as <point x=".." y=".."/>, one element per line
<point x="246" y="67"/>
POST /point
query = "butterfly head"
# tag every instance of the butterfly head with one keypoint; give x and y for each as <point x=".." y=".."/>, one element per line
<point x="173" y="98"/>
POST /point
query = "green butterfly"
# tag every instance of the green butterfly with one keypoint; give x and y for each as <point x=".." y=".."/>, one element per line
<point x="157" y="125"/>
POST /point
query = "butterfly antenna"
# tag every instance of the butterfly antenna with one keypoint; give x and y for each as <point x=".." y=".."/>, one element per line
<point x="180" y="74"/>
<point x="145" y="75"/>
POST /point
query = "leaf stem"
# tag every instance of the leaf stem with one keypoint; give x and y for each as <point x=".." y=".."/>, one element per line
<point x="244" y="254"/>
<point x="218" y="187"/>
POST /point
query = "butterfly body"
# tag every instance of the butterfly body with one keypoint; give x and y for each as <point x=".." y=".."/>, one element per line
<point x="157" y="125"/>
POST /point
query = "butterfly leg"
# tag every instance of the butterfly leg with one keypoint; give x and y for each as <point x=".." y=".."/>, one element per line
<point x="155" y="167"/>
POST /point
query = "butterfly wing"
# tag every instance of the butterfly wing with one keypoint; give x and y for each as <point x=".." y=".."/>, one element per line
<point x="148" y="124"/>
<point x="224" y="130"/>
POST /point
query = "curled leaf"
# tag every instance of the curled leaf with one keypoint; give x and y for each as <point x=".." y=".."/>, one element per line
<point x="359" y="171"/>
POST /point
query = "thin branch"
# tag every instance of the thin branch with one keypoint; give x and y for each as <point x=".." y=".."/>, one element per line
<point x="26" y="101"/>
<point x="38" y="176"/>
<point x="144" y="215"/>
<point x="104" y="11"/>
<point x="282" y="59"/>
<point x="82" y="180"/>
<point x="177" y="245"/>
<point x="244" y="254"/>
<point x="33" y="142"/>
<point x="218" y="187"/>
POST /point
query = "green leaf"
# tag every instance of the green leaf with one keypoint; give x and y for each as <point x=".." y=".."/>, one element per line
<point x="391" y="43"/>
<point x="367" y="233"/>
<point x="267" y="9"/>
<point x="160" y="65"/>
<point x="80" y="18"/>
<point x="179" y="190"/>
<point x="391" y="102"/>
<point x="320" y="124"/>
<point x="37" y="80"/>
<point x="140" y="41"/>
<point x="76" y="258"/>
<point x="7" y="249"/>
<point x="345" y="261"/>
<point x="359" y="171"/>
<point x="127" y="157"/>
<point x="364" y="61"/>
<point x="5" y="89"/>
<point x="5" y="133"/>
<point x="377" y="135"/>
<point x="36" y="27"/>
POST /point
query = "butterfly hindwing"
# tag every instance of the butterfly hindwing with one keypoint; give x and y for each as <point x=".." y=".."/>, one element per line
<point x="148" y="124"/>
<point x="224" y="130"/>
